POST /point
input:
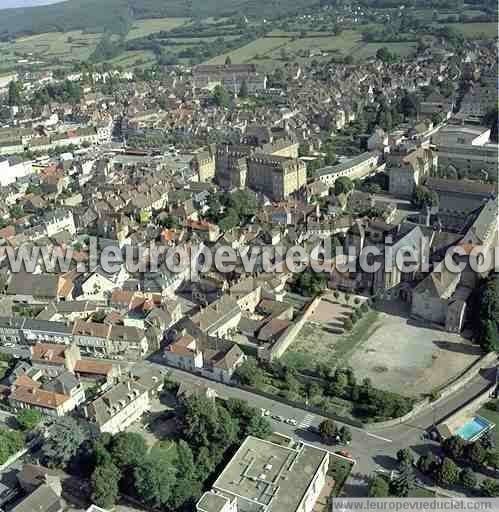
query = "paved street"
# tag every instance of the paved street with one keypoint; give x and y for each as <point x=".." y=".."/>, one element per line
<point x="375" y="449"/>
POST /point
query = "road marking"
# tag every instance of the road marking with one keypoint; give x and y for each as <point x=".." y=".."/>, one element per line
<point x="379" y="437"/>
<point x="307" y="421"/>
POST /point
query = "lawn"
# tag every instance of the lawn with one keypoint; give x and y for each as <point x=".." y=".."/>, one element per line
<point x="168" y="446"/>
<point x="492" y="416"/>
<point x="317" y="344"/>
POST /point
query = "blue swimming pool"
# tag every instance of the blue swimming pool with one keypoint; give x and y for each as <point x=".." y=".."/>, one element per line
<point x="473" y="428"/>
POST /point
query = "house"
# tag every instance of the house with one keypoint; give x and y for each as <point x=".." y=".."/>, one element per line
<point x="53" y="359"/>
<point x="293" y="479"/>
<point x="219" y="318"/>
<point x="39" y="288"/>
<point x="46" y="498"/>
<point x="118" y="408"/>
<point x="358" y="167"/>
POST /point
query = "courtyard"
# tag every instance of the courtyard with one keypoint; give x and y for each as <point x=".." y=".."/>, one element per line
<point x="386" y="345"/>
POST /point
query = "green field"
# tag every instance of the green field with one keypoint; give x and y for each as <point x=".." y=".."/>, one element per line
<point x="143" y="28"/>
<point x="400" y="49"/>
<point x="472" y="30"/>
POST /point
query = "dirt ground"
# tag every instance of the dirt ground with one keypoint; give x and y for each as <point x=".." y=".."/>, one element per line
<point x="394" y="351"/>
<point x="404" y="355"/>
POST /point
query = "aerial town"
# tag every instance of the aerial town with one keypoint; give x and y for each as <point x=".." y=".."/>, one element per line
<point x="248" y="282"/>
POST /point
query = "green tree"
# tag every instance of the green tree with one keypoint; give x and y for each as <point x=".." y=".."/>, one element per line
<point x="228" y="60"/>
<point x="187" y="486"/>
<point x="128" y="449"/>
<point x="343" y="185"/>
<point x="492" y="459"/>
<point x="490" y="488"/>
<point x="405" y="481"/>
<point x="328" y="430"/>
<point x="155" y="479"/>
<point x="424" y="197"/>
<point x="468" y="478"/>
<point x="378" y="487"/>
<point x="29" y="419"/>
<point x="476" y="454"/>
<point x="259" y="426"/>
<point x="104" y="481"/>
<point x="11" y="442"/>
<point x="65" y="438"/>
<point x="454" y="447"/>
<point x="405" y="455"/>
<point x="249" y="373"/>
<point x="243" y="91"/>
<point x="15" y="94"/>
<point x="345" y="435"/>
<point x="448" y="472"/>
<point x="428" y="463"/>
<point x="221" y="97"/>
<point x="385" y="55"/>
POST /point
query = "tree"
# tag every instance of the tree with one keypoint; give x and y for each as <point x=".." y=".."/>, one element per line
<point x="11" y="442"/>
<point x="259" y="426"/>
<point x="409" y="104"/>
<point x="492" y="460"/>
<point x="405" y="455"/>
<point x="448" y="472"/>
<point x="348" y="324"/>
<point x="328" y="430"/>
<point x="490" y="487"/>
<point x="378" y="487"/>
<point x="104" y="481"/>
<point x="385" y="55"/>
<point x="243" y="91"/>
<point x="454" y="447"/>
<point x="155" y="479"/>
<point x="249" y="373"/>
<point x="476" y="454"/>
<point x="221" y="97"/>
<point x="29" y="419"/>
<point x="405" y="481"/>
<point x="228" y="60"/>
<point x="468" y="478"/>
<point x="345" y="435"/>
<point x="423" y="197"/>
<point x="15" y="93"/>
<point x="343" y="185"/>
<point x="65" y="438"/>
<point x="340" y="382"/>
<point x="128" y="449"/>
<point x="428" y="463"/>
<point x="187" y="486"/>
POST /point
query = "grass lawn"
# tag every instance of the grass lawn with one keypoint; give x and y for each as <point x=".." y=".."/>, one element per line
<point x="492" y="416"/>
<point x="316" y="344"/>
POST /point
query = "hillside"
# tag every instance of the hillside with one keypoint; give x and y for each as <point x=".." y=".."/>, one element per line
<point x="116" y="16"/>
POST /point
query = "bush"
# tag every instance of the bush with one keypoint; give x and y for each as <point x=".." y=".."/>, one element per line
<point x="493" y="405"/>
<point x="364" y="308"/>
<point x="336" y="295"/>
<point x="356" y="300"/>
<point x="348" y="324"/>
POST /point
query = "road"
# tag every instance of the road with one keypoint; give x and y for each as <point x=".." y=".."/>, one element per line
<point x="372" y="450"/>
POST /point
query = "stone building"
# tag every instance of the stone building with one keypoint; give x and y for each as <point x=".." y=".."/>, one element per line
<point x="276" y="176"/>
<point x="204" y="164"/>
<point x="408" y="167"/>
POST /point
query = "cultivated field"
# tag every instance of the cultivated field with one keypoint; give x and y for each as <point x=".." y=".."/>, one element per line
<point x="386" y="346"/>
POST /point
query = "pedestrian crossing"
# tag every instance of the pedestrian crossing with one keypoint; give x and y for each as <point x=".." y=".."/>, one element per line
<point x="307" y="421"/>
